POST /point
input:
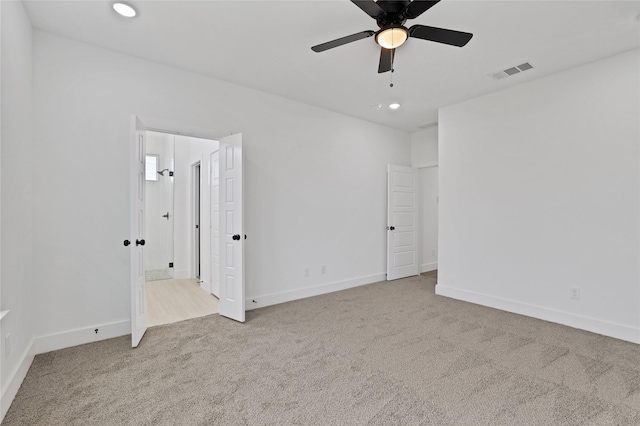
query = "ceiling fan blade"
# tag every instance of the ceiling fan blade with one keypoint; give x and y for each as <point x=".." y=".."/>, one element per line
<point x="440" y="35"/>
<point x="370" y="7"/>
<point x="340" y="41"/>
<point x="386" y="60"/>
<point x="418" y="7"/>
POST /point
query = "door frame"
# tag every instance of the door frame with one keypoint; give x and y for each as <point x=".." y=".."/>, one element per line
<point x="157" y="125"/>
<point x="196" y="222"/>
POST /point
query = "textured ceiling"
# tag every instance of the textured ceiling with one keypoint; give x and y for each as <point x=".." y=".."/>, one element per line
<point x="266" y="44"/>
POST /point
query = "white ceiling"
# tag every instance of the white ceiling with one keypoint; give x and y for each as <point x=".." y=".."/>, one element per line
<point x="266" y="45"/>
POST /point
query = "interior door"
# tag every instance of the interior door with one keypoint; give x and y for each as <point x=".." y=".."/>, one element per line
<point x="402" y="245"/>
<point x="232" y="303"/>
<point x="214" y="225"/>
<point x="138" y="281"/>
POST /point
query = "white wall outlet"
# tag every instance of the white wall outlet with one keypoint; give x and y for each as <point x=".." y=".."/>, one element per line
<point x="306" y="271"/>
<point x="7" y="345"/>
<point x="574" y="293"/>
<point x="323" y="269"/>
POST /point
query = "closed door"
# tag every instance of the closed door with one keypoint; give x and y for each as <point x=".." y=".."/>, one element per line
<point x="402" y="244"/>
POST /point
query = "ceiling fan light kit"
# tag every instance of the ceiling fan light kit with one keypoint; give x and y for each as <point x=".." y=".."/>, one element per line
<point x="392" y="37"/>
<point x="390" y="16"/>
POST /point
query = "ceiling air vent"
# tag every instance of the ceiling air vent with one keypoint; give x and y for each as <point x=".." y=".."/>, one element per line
<point x="512" y="71"/>
<point x="525" y="66"/>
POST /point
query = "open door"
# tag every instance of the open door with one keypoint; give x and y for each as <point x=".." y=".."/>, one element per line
<point x="232" y="304"/>
<point x="214" y="226"/>
<point x="402" y="244"/>
<point x="138" y="279"/>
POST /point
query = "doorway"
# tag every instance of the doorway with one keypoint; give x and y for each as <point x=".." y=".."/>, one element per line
<point x="174" y="218"/>
<point x="228" y="218"/>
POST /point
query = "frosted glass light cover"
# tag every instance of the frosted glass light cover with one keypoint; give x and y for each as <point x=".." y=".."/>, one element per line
<point x="392" y="37"/>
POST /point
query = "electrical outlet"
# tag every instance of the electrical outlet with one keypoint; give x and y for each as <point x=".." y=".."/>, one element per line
<point x="306" y="271"/>
<point x="323" y="269"/>
<point x="574" y="293"/>
<point x="7" y="345"/>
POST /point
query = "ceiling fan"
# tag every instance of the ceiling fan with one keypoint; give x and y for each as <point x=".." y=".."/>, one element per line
<point x="390" y="15"/>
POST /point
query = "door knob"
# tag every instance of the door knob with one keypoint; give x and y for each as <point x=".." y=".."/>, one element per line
<point x="236" y="237"/>
<point x="391" y="228"/>
<point x="126" y="243"/>
<point x="140" y="242"/>
<point x="166" y="215"/>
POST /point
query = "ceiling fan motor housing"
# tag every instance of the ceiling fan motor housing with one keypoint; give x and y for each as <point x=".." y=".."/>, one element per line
<point x="394" y="13"/>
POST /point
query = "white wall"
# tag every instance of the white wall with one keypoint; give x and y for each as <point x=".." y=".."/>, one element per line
<point x="315" y="181"/>
<point x="16" y="212"/>
<point x="424" y="156"/>
<point x="424" y="148"/>
<point x="539" y="192"/>
<point x="428" y="177"/>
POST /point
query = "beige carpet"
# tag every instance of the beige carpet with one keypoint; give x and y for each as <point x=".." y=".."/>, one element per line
<point x="384" y="354"/>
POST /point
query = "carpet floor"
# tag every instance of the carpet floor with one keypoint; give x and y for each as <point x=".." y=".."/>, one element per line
<point x="390" y="353"/>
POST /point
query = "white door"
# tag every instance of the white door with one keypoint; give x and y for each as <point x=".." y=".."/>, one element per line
<point x="402" y="245"/>
<point x="215" y="222"/>
<point x="231" y="228"/>
<point x="138" y="279"/>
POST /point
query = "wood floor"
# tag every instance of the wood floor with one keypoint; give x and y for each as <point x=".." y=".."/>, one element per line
<point x="177" y="300"/>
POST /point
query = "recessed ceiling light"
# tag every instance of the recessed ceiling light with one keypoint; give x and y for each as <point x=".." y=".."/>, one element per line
<point x="394" y="106"/>
<point x="124" y="10"/>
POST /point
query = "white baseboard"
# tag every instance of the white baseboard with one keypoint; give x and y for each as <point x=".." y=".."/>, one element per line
<point x="427" y="267"/>
<point x="181" y="274"/>
<point x="204" y="285"/>
<point x="606" y="328"/>
<point x="54" y="342"/>
<point x="16" y="377"/>
<point x="302" y="293"/>
<point x="67" y="339"/>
